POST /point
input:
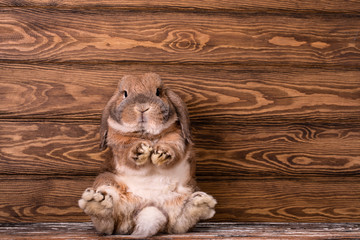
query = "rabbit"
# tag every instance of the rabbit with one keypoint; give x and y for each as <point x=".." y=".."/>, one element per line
<point x="149" y="185"/>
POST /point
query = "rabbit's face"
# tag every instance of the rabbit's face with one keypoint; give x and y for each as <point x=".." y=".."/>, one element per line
<point x="142" y="106"/>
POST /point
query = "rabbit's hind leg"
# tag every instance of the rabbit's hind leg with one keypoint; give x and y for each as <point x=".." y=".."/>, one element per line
<point x="99" y="205"/>
<point x="199" y="206"/>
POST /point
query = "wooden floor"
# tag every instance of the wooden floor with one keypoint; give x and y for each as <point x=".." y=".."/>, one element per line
<point x="202" y="231"/>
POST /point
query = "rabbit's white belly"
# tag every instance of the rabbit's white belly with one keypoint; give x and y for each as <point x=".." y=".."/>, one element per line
<point x="156" y="184"/>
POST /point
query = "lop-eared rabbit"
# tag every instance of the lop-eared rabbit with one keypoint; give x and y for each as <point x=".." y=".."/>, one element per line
<point x="149" y="185"/>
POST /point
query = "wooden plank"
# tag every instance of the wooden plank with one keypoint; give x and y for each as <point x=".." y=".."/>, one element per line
<point x="214" y="93"/>
<point x="56" y="35"/>
<point x="221" y="150"/>
<point x="50" y="148"/>
<point x="286" y="200"/>
<point x="45" y="199"/>
<point x="287" y="150"/>
<point x="54" y="199"/>
<point x="268" y="231"/>
<point x="334" y="6"/>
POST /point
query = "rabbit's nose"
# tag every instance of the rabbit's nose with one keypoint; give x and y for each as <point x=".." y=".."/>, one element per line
<point x="142" y="108"/>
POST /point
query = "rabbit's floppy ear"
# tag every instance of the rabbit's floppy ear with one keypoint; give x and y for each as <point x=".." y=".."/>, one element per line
<point x="182" y="113"/>
<point x="104" y="122"/>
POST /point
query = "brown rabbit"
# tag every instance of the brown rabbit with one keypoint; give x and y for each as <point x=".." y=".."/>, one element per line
<point x="149" y="185"/>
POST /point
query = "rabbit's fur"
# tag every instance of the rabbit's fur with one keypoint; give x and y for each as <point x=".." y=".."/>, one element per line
<point x="149" y="185"/>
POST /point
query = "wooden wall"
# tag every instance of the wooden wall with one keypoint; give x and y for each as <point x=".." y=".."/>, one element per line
<point x="273" y="89"/>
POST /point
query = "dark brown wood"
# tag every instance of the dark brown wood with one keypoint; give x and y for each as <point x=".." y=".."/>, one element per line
<point x="285" y="199"/>
<point x="299" y="6"/>
<point x="215" y="94"/>
<point x="327" y="199"/>
<point x="108" y="35"/>
<point x="42" y="199"/>
<point x="291" y="150"/>
<point x="260" y="231"/>
<point x="272" y="88"/>
<point x="222" y="149"/>
<point x="50" y="148"/>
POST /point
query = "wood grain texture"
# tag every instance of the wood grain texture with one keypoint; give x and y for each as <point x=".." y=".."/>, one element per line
<point x="285" y="199"/>
<point x="288" y="150"/>
<point x="221" y="150"/>
<point x="121" y="36"/>
<point x="49" y="199"/>
<point x="48" y="148"/>
<point x="299" y="6"/>
<point x="214" y="94"/>
<point x="272" y="88"/>
<point x="268" y="231"/>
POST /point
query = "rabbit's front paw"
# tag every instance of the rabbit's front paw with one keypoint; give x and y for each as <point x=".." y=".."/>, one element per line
<point x="162" y="155"/>
<point x="140" y="153"/>
<point x="203" y="205"/>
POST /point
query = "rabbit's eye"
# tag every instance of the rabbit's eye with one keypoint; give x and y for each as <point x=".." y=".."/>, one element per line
<point x="125" y="94"/>
<point x="157" y="92"/>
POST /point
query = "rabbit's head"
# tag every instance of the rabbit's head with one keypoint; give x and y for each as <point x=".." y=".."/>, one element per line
<point x="143" y="105"/>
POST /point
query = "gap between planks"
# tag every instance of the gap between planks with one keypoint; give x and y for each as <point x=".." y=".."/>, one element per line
<point x="201" y="231"/>
<point x="204" y="7"/>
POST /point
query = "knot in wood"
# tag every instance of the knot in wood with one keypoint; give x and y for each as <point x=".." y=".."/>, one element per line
<point x="186" y="41"/>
